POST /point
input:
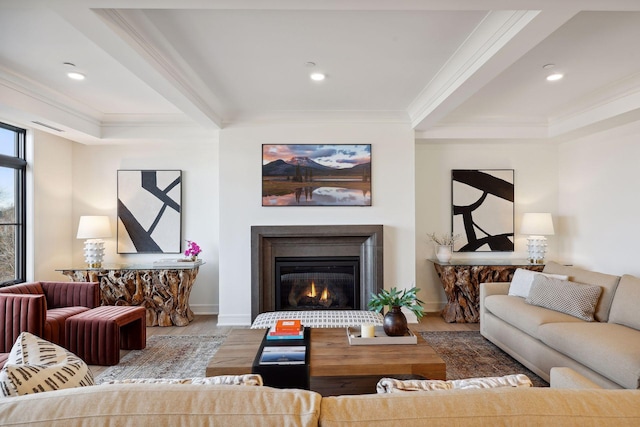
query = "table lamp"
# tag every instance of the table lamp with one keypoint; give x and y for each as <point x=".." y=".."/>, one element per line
<point x="537" y="225"/>
<point x="94" y="228"/>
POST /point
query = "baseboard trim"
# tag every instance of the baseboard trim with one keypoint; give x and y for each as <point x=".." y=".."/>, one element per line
<point x="234" y="319"/>
<point x="205" y="308"/>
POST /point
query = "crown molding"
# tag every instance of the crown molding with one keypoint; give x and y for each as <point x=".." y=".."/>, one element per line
<point x="318" y="117"/>
<point x="31" y="101"/>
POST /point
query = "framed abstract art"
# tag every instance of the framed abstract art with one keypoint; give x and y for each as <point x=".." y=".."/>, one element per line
<point x="482" y="209"/>
<point x="149" y="211"/>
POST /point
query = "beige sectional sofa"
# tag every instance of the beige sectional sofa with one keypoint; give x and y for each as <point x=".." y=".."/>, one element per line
<point x="574" y="402"/>
<point x="606" y="350"/>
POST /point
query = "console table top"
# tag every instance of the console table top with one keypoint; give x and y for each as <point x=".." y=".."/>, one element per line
<point x="472" y="262"/>
<point x="149" y="266"/>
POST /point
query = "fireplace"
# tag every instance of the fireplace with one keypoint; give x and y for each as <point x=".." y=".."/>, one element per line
<point x="330" y="254"/>
<point x="317" y="283"/>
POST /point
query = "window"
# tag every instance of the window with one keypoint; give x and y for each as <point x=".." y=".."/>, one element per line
<point x="13" y="167"/>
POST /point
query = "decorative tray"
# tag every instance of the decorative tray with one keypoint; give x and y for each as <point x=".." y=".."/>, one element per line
<point x="353" y="333"/>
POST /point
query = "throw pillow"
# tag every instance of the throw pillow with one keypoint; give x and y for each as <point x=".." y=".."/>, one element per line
<point x="522" y="280"/>
<point x="35" y="365"/>
<point x="247" y="379"/>
<point x="391" y="385"/>
<point x="576" y="299"/>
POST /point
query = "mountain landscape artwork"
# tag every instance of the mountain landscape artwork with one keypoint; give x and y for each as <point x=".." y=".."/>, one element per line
<point x="316" y="175"/>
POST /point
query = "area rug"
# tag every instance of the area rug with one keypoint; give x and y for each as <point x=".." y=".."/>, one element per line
<point x="468" y="354"/>
<point x="166" y="356"/>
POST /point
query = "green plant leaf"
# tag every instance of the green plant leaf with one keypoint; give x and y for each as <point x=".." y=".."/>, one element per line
<point x="395" y="298"/>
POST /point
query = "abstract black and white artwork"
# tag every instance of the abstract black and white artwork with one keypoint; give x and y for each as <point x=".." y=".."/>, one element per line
<point x="149" y="211"/>
<point x="483" y="202"/>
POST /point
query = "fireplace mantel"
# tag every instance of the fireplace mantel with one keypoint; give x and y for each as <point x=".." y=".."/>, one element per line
<point x="270" y="242"/>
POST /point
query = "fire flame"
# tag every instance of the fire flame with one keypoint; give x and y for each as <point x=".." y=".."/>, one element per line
<point x="312" y="293"/>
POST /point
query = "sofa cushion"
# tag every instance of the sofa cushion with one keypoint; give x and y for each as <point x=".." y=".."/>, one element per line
<point x="523" y="279"/>
<point x="573" y="298"/>
<point x="607" y="282"/>
<point x="624" y="308"/>
<point x="35" y="365"/>
<point x="523" y="316"/>
<point x="492" y="407"/>
<point x="164" y="405"/>
<point x="608" y="349"/>
<point x="392" y="385"/>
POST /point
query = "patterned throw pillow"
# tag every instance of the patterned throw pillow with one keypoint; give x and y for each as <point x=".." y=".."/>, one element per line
<point x="247" y="379"/>
<point x="576" y="299"/>
<point x="36" y="365"/>
<point x="392" y="385"/>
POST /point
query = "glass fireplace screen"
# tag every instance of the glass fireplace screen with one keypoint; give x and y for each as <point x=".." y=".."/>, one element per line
<point x="316" y="283"/>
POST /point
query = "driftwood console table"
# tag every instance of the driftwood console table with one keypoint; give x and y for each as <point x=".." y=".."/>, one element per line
<point x="162" y="290"/>
<point x="461" y="281"/>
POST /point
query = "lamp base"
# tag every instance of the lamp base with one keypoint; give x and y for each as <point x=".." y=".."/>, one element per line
<point x="537" y="246"/>
<point x="94" y="252"/>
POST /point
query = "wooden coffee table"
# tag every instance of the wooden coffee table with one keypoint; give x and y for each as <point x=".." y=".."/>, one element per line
<point x="336" y="367"/>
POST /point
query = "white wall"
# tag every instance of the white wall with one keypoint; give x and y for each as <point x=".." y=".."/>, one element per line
<point x="600" y="200"/>
<point x="240" y="201"/>
<point x="51" y="206"/>
<point x="536" y="190"/>
<point x="95" y="193"/>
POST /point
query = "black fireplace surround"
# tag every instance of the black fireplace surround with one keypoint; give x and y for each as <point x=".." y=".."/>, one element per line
<point x="323" y="252"/>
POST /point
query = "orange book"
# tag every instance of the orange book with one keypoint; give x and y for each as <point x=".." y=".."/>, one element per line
<point x="288" y="325"/>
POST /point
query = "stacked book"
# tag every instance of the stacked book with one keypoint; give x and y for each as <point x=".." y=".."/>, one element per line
<point x="286" y="329"/>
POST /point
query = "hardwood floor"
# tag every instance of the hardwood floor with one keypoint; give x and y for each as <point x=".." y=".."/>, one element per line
<point x="208" y="325"/>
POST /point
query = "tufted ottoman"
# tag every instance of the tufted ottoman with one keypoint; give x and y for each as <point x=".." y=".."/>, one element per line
<point x="97" y="335"/>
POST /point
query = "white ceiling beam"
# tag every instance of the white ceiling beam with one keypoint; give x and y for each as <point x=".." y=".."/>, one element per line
<point x="500" y="40"/>
<point x="159" y="67"/>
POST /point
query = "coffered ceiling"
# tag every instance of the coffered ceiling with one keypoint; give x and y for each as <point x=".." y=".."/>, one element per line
<point x="452" y="69"/>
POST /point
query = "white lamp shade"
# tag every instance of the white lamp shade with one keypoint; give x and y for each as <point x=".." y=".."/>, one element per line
<point x="537" y="224"/>
<point x="94" y="227"/>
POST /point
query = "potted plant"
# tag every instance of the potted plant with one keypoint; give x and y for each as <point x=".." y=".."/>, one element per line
<point x="192" y="250"/>
<point x="444" y="245"/>
<point x="395" y="322"/>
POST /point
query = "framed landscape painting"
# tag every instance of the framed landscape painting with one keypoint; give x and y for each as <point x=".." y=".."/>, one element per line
<point x="316" y="175"/>
<point x="482" y="209"/>
<point x="149" y="211"/>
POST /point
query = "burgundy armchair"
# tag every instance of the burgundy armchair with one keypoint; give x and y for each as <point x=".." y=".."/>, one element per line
<point x="19" y="313"/>
<point x="42" y="308"/>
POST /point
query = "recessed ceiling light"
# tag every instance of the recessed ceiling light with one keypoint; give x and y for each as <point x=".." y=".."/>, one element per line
<point x="318" y="77"/>
<point x="554" y="77"/>
<point x="72" y="73"/>
<point x="75" y="75"/>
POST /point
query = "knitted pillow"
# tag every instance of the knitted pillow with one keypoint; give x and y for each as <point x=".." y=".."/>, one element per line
<point x="391" y="385"/>
<point x="576" y="299"/>
<point x="35" y="365"/>
<point x="247" y="379"/>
